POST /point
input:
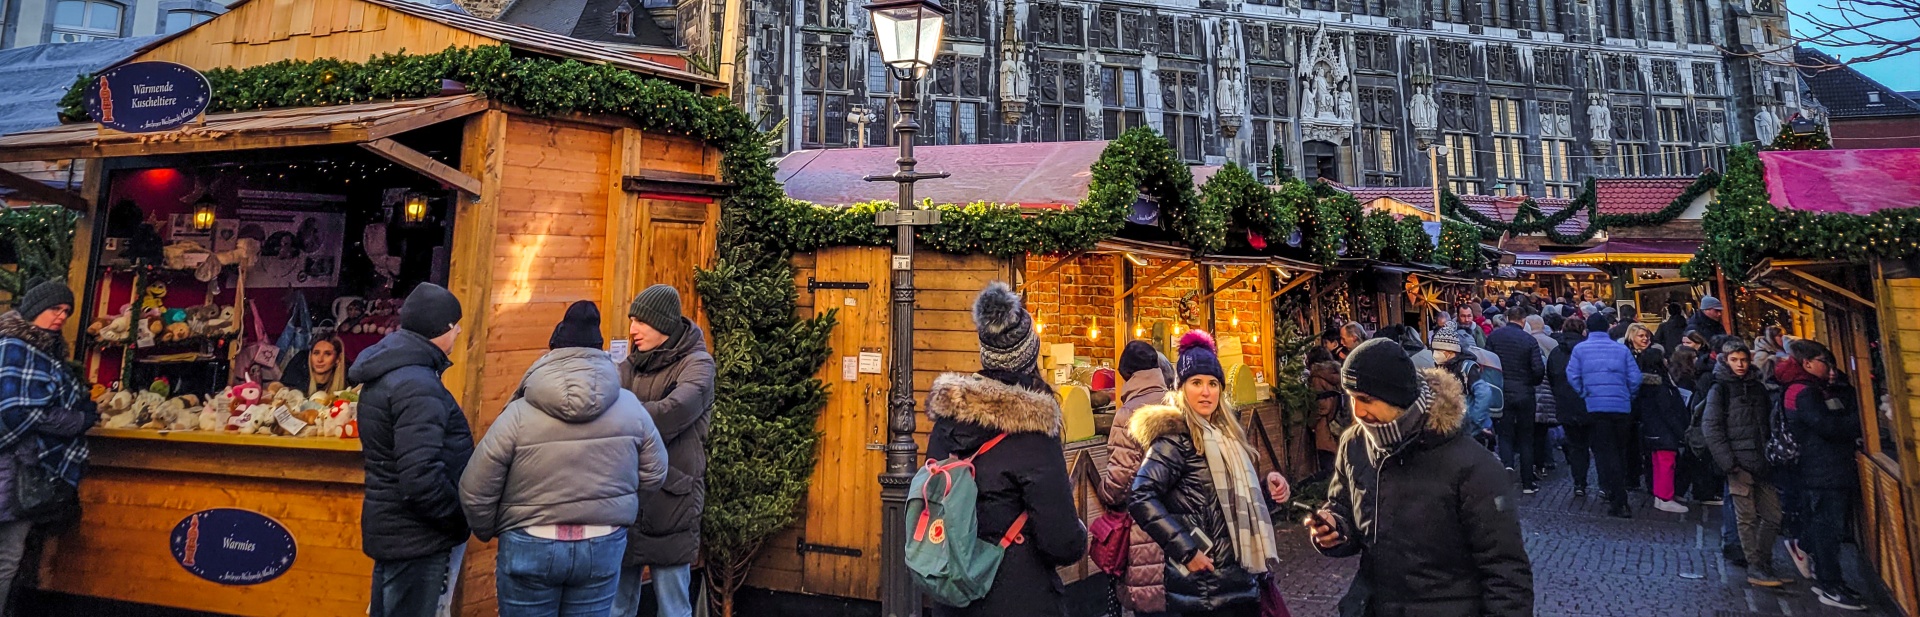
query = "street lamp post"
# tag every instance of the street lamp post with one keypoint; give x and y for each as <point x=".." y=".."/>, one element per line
<point x="909" y="33"/>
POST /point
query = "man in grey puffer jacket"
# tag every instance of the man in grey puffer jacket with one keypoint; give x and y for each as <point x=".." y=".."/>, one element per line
<point x="672" y="374"/>
<point x="562" y="470"/>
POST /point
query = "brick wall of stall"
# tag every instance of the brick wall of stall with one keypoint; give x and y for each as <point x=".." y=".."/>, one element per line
<point x="1073" y="299"/>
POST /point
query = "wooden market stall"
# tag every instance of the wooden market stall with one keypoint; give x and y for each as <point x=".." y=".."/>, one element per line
<point x="347" y="207"/>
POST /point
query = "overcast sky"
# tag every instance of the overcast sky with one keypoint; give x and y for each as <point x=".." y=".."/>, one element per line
<point x="1900" y="73"/>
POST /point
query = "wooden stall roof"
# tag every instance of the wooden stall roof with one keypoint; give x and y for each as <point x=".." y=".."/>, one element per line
<point x="1034" y="175"/>
<point x="514" y="35"/>
<point x="1157" y="250"/>
<point x="271" y="128"/>
<point x="1632" y="251"/>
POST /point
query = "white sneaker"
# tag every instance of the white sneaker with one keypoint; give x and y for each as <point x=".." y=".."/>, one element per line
<point x="1668" y="506"/>
<point x="1801" y="561"/>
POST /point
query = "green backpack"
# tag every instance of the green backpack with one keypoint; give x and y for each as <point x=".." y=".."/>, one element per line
<point x="948" y="559"/>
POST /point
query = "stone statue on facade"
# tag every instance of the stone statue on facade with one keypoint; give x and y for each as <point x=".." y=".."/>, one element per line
<point x="1230" y="89"/>
<point x="1424" y="112"/>
<point x="1600" y="120"/>
<point x="1326" y="100"/>
<point x="1013" y="69"/>
<point x="1766" y="126"/>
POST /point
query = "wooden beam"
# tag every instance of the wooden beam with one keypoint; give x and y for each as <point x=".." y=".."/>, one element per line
<point x="1159" y="279"/>
<point x="1297" y="281"/>
<point x="36" y="190"/>
<point x="1206" y="286"/>
<point x="470" y="273"/>
<point x="1250" y="271"/>
<point x="414" y="160"/>
<point x="1051" y="268"/>
<point x="623" y="229"/>
<point x="1824" y="284"/>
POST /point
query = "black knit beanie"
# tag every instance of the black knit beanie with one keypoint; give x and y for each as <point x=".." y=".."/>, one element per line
<point x="429" y="311"/>
<point x="1598" y="322"/>
<point x="1138" y="356"/>
<point x="43" y="297"/>
<point x="1381" y="369"/>
<point x="580" y="328"/>
<point x="659" y="307"/>
<point x="1007" y="339"/>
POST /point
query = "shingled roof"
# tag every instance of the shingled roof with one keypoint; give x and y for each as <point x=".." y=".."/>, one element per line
<point x="1638" y="195"/>
<point x="591" y="20"/>
<point x="1848" y="94"/>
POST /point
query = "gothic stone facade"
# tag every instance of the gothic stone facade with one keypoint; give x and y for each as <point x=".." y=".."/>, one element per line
<point x="1535" y="95"/>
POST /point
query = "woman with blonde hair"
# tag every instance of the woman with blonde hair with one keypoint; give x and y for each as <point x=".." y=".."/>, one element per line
<point x="1199" y="496"/>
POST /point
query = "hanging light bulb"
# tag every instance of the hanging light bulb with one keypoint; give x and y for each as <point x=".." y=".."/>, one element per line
<point x="1039" y="327"/>
<point x="1236" y="321"/>
<point x="1093" y="333"/>
<point x="1139" y="332"/>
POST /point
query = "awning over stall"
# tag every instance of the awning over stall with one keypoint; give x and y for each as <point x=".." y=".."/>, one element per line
<point x="1843" y="181"/>
<point x="1632" y="252"/>
<point x="270" y="128"/>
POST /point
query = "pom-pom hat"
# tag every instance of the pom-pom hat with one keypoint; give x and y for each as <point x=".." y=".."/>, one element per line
<point x="1198" y="356"/>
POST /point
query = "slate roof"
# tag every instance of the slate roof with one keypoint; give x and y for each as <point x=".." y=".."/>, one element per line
<point x="32" y="79"/>
<point x="1846" y="92"/>
<point x="1638" y="195"/>
<point x="591" y="20"/>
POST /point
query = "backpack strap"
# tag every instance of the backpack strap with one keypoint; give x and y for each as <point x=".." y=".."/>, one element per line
<point x="1013" y="532"/>
<point x="987" y="446"/>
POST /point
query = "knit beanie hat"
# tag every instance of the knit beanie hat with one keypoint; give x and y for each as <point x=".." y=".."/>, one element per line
<point x="1709" y="303"/>
<point x="1138" y="356"/>
<point x="1598" y="322"/>
<point x="43" y="297"/>
<point x="1007" y="339"/>
<point x="1381" y="369"/>
<point x="1445" y="339"/>
<point x="429" y="311"/>
<point x="1198" y="357"/>
<point x="659" y="307"/>
<point x="580" y="328"/>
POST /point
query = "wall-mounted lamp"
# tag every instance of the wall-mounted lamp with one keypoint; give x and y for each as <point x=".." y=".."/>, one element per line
<point x="203" y="215"/>
<point x="1136" y="259"/>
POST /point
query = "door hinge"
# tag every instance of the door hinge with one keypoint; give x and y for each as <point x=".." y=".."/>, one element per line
<point x="816" y="285"/>
<point x="803" y="547"/>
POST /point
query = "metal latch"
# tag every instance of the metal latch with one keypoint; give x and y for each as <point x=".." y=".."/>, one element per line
<point x="815" y="285"/>
<point x="803" y="547"/>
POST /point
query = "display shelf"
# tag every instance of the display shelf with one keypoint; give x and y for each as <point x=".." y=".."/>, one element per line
<point x="232" y="439"/>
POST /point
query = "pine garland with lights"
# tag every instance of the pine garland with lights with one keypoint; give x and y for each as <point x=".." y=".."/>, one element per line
<point x="1786" y="139"/>
<point x="1742" y="227"/>
<point x="42" y="241"/>
<point x="1529" y="219"/>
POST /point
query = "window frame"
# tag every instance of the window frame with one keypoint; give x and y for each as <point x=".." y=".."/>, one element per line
<point x="1180" y="119"/>
<point x="84" y="30"/>
<point x="1117" y="117"/>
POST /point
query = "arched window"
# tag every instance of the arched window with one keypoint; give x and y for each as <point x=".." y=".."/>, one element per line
<point x="85" y="20"/>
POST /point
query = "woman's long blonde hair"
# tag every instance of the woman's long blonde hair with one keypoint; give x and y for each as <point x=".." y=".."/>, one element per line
<point x="1224" y="419"/>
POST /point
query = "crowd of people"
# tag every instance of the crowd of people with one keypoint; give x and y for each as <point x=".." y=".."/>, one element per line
<point x="592" y="476"/>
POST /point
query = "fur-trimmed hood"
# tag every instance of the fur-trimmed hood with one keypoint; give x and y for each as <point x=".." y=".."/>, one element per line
<point x="987" y="402"/>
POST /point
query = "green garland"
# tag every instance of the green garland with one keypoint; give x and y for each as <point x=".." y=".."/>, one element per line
<point x="42" y="241"/>
<point x="1530" y="220"/>
<point x="1742" y="228"/>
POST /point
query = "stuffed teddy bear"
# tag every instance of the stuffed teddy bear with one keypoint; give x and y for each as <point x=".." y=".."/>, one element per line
<point x="262" y="420"/>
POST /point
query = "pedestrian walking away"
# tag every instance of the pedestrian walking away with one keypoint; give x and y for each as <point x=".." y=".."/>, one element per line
<point x="1199" y="496"/>
<point x="416" y="444"/>
<point x="1143" y="382"/>
<point x="1430" y="514"/>
<point x="1826" y="425"/>
<point x="1450" y="353"/>
<point x="1024" y="473"/>
<point x="671" y="373"/>
<point x="1523" y="367"/>
<point x="1604" y="373"/>
<point x="1569" y="408"/>
<point x="559" y="474"/>
<point x="1663" y="418"/>
<point x="1737" y="423"/>
<point x="45" y="412"/>
<point x="1673" y="330"/>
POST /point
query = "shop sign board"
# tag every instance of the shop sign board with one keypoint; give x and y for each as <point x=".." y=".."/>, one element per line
<point x="231" y="546"/>
<point x="147" y="97"/>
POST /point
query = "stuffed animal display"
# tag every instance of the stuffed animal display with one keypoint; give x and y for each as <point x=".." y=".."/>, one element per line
<point x="247" y="408"/>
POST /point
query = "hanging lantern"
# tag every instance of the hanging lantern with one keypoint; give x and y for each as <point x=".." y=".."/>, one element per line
<point x="203" y="215"/>
<point x="415" y="210"/>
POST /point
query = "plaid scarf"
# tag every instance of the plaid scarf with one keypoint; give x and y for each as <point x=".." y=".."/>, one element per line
<point x="1385" y="439"/>
<point x="31" y="384"/>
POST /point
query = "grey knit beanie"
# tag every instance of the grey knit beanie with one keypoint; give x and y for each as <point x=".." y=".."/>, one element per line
<point x="44" y="296"/>
<point x="659" y="307"/>
<point x="1007" y="339"/>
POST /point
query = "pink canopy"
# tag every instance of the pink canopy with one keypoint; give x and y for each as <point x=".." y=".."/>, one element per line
<point x="1843" y="181"/>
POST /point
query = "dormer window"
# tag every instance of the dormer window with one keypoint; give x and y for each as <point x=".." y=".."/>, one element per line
<point x="1873" y="97"/>
<point x="623" y="20"/>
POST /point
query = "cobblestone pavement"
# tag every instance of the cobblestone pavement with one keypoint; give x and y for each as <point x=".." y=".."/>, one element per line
<point x="1586" y="564"/>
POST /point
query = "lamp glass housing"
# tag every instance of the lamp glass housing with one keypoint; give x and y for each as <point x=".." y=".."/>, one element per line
<point x="203" y="216"/>
<point x="909" y="33"/>
<point x="416" y="209"/>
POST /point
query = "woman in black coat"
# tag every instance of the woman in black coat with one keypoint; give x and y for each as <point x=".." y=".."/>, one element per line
<point x="1197" y="494"/>
<point x="1663" y="424"/>
<point x="1569" y="408"/>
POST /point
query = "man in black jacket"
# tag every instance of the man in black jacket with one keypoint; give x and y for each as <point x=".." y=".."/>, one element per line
<point x="1569" y="407"/>
<point x="1707" y="319"/>
<point x="416" y="444"/>
<point x="1522" y="367"/>
<point x="1628" y="316"/>
<point x="1825" y="421"/>
<point x="1454" y="545"/>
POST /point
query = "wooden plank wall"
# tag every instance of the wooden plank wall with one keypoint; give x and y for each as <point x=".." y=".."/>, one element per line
<point x="1892" y="508"/>
<point x="120" y="549"/>
<point x="266" y="31"/>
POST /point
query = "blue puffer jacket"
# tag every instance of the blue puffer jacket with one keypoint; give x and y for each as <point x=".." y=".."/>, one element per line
<point x="1604" y="373"/>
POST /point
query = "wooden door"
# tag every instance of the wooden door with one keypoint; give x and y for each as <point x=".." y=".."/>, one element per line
<point x="678" y="240"/>
<point x="840" y="542"/>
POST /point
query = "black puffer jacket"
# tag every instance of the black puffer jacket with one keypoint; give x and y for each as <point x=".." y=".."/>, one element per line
<point x="1568" y="406"/>
<point x="1025" y="472"/>
<point x="1736" y="420"/>
<point x="1522" y="366"/>
<point x="1434" y="522"/>
<point x="415" y="443"/>
<point x="1825" y="424"/>
<point x="1663" y="415"/>
<point x="1172" y="497"/>
<point x="675" y="383"/>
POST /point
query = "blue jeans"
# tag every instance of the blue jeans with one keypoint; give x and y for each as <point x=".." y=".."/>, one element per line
<point x="536" y="576"/>
<point x="671" y="589"/>
<point x="412" y="587"/>
<point x="1729" y="521"/>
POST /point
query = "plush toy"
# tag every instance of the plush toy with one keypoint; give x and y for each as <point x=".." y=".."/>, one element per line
<point x="177" y="332"/>
<point x="243" y="395"/>
<point x="145" y="405"/>
<point x="117" y="410"/>
<point x="156" y="297"/>
<point x="241" y="420"/>
<point x="114" y="328"/>
<point x="287" y="397"/>
<point x="342" y="420"/>
<point x="97" y="393"/>
<point x="223" y="322"/>
<point x="178" y="413"/>
<point x="213" y="415"/>
<point x="262" y="420"/>
<point x="161" y="387"/>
